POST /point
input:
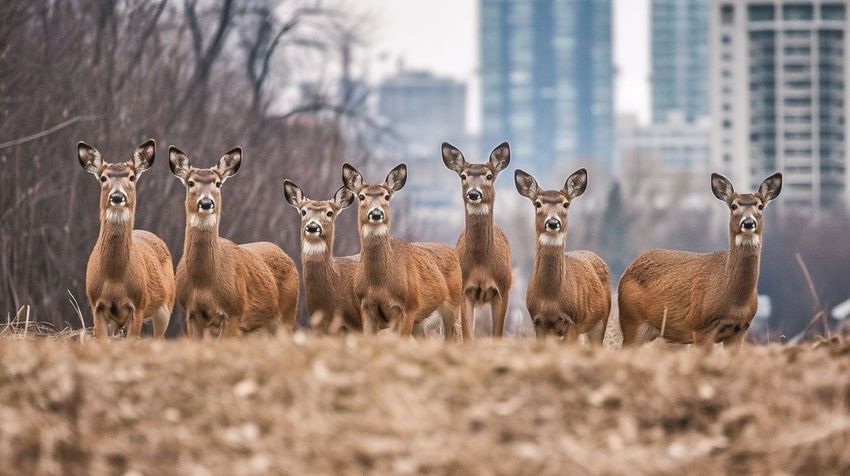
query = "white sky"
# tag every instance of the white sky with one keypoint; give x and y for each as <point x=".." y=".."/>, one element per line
<point x="442" y="36"/>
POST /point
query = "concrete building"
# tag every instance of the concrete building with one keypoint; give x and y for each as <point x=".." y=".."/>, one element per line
<point x="779" y="71"/>
<point x="679" y="55"/>
<point x="546" y="71"/>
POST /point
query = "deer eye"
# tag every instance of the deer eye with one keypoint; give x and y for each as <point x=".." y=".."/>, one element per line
<point x="463" y="176"/>
<point x="538" y="204"/>
<point x="103" y="178"/>
<point x="330" y="213"/>
<point x="218" y="184"/>
<point x="761" y="206"/>
<point x="303" y="213"/>
<point x="361" y="197"/>
<point x="132" y="178"/>
<point x="566" y="204"/>
<point x="190" y="184"/>
<point x="733" y="206"/>
<point x="387" y="197"/>
<point x="489" y="176"/>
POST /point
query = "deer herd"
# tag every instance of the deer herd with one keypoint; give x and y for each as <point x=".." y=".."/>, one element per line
<point x="229" y="289"/>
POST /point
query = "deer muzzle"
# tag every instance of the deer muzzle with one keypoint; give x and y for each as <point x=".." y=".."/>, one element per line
<point x="117" y="198"/>
<point x="312" y="229"/>
<point x="749" y="224"/>
<point x="376" y="215"/>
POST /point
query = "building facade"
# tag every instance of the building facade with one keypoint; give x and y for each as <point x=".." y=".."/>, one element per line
<point x="779" y="74"/>
<point x="546" y="71"/>
<point x="679" y="55"/>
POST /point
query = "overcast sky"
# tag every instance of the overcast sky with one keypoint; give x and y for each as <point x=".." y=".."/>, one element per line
<point x="442" y="36"/>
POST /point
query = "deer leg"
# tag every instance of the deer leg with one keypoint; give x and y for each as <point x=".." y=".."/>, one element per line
<point x="467" y="318"/>
<point x="499" y="311"/>
<point x="134" y="330"/>
<point x="160" y="320"/>
<point x="101" y="326"/>
<point x="319" y="322"/>
<point x="596" y="334"/>
<point x="449" y="315"/>
<point x="370" y="319"/>
<point x="405" y="321"/>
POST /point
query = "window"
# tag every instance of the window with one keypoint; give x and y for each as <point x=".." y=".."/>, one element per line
<point x="761" y="12"/>
<point x="832" y="11"/>
<point x="797" y="11"/>
<point x="727" y="14"/>
<point x="726" y="39"/>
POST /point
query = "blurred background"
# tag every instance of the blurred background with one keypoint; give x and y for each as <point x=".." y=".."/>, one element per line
<point x="650" y="95"/>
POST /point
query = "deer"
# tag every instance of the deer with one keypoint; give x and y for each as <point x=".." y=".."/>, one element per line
<point x="129" y="275"/>
<point x="227" y="289"/>
<point x="483" y="248"/>
<point x="700" y="298"/>
<point x="569" y="293"/>
<point x="400" y="284"/>
<point x="328" y="281"/>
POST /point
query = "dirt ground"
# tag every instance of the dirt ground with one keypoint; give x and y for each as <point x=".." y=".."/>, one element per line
<point x="306" y="405"/>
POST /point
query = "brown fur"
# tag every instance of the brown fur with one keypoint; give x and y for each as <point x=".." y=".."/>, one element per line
<point x="483" y="248"/>
<point x="328" y="281"/>
<point x="227" y="289"/>
<point x="569" y="293"/>
<point x="706" y="297"/>
<point x="130" y="275"/>
<point x="400" y="284"/>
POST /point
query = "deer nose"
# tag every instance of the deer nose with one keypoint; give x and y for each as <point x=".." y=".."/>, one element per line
<point x="206" y="204"/>
<point x="117" y="198"/>
<point x="313" y="228"/>
<point x="473" y="195"/>
<point x="376" y="214"/>
<point x="749" y="224"/>
<point x="553" y="224"/>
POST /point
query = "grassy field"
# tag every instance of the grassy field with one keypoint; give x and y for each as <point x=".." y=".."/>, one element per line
<point x="355" y="405"/>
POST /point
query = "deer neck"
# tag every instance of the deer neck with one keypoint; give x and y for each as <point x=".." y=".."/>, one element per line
<point x="376" y="256"/>
<point x="114" y="240"/>
<point x="202" y="252"/>
<point x="318" y="265"/>
<point x="549" y="266"/>
<point x="479" y="233"/>
<point x="742" y="271"/>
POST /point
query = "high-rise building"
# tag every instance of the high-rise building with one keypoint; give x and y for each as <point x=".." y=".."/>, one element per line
<point x="547" y="81"/>
<point x="779" y="71"/>
<point x="679" y="59"/>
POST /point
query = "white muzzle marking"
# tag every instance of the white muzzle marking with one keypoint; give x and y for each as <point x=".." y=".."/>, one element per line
<point x="312" y="247"/>
<point x="552" y="239"/>
<point x="203" y="220"/>
<point x="373" y="230"/>
<point x="477" y="208"/>
<point x="117" y="214"/>
<point x="748" y="240"/>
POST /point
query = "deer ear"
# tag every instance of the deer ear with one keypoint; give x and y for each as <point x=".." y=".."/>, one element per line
<point x="229" y="163"/>
<point x="144" y="155"/>
<point x="89" y="158"/>
<point x="294" y="195"/>
<point x="500" y="157"/>
<point x="396" y="178"/>
<point x="576" y="184"/>
<point x="343" y="198"/>
<point x="771" y="187"/>
<point x="351" y="178"/>
<point x="453" y="158"/>
<point x="722" y="188"/>
<point x="525" y="184"/>
<point x="179" y="163"/>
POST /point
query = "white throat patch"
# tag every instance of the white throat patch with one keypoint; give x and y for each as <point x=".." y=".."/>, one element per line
<point x="748" y="241"/>
<point x="477" y="209"/>
<point x="197" y="220"/>
<point x="552" y="239"/>
<point x="370" y="230"/>
<point x="117" y="215"/>
<point x="311" y="248"/>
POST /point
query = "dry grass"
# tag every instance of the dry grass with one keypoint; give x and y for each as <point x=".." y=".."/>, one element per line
<point x="349" y="406"/>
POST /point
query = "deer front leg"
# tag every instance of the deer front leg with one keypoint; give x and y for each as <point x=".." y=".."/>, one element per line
<point x="368" y="314"/>
<point x="101" y="326"/>
<point x="134" y="329"/>
<point x="499" y="311"/>
<point x="467" y="318"/>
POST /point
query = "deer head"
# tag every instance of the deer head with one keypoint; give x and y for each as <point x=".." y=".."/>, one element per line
<point x="203" y="186"/>
<point x="551" y="205"/>
<point x="317" y="217"/>
<point x="477" y="180"/>
<point x="373" y="212"/>
<point x="746" y="209"/>
<point x="117" y="180"/>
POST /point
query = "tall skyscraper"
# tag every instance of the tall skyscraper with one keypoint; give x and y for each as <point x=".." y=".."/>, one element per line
<point x="679" y="59"/>
<point x="779" y="71"/>
<point x="547" y="80"/>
